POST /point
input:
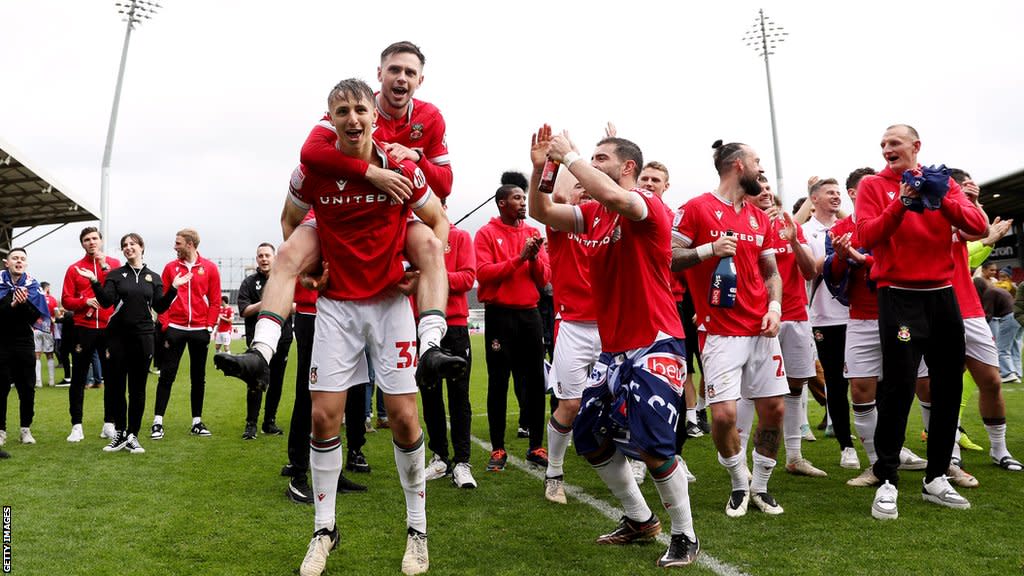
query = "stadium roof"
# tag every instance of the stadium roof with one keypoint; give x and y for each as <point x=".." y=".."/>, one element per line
<point x="29" y="197"/>
<point x="1004" y="196"/>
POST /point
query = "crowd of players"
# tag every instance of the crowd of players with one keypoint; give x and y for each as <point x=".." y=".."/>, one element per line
<point x="641" y="292"/>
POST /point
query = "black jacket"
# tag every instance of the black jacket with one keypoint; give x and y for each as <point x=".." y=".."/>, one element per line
<point x="16" y="325"/>
<point x="133" y="293"/>
<point x="250" y="292"/>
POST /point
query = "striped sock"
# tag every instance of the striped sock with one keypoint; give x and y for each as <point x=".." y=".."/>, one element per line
<point x="266" y="334"/>
<point x="325" y="464"/>
<point x="558" y="442"/>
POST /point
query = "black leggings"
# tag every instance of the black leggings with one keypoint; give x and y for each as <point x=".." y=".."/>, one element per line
<point x="130" y="355"/>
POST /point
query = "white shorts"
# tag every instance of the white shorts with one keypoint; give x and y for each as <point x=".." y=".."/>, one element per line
<point x="222" y="338"/>
<point x="797" y="347"/>
<point x="43" y="341"/>
<point x="981" y="344"/>
<point x="863" y="350"/>
<point x="742" y="366"/>
<point x="577" y="347"/>
<point x="343" y="328"/>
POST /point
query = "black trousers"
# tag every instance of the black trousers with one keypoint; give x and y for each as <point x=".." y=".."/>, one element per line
<point x="18" y="366"/>
<point x="175" y="341"/>
<point x="253" y="398"/>
<point x="457" y="341"/>
<point x="302" y="411"/>
<point x="87" y="341"/>
<point x="912" y="324"/>
<point x="515" y="346"/>
<point x="130" y="355"/>
<point x="831" y="344"/>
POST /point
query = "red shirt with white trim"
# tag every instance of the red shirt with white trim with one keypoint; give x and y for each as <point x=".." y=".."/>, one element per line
<point x="629" y="273"/>
<point x="422" y="126"/>
<point x="863" y="298"/>
<point x="703" y="220"/>
<point x="228" y="313"/>
<point x="504" y="279"/>
<point x="198" y="302"/>
<point x="794" y="292"/>
<point x="570" y="276"/>
<point x="77" y="290"/>
<point x="361" y="230"/>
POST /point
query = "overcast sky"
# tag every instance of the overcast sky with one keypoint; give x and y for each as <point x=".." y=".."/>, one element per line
<point x="219" y="95"/>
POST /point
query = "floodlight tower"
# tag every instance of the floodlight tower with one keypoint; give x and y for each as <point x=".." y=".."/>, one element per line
<point x="133" y="12"/>
<point x="763" y="37"/>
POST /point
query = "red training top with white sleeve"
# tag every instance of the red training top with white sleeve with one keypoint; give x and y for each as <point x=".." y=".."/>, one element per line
<point x="460" y="261"/>
<point x="794" y="292"/>
<point x="862" y="296"/>
<point x="703" y="220"/>
<point x="422" y="127"/>
<point x="196" y="306"/>
<point x="912" y="250"/>
<point x="361" y="230"/>
<point x="570" y="276"/>
<point x="77" y="290"/>
<point x="629" y="273"/>
<point x="963" y="284"/>
<point x="504" y="279"/>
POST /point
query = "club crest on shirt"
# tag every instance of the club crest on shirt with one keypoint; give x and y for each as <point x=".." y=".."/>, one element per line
<point x="753" y="222"/>
<point x="448" y="248"/>
<point x="818" y="336"/>
<point x="417" y="131"/>
<point x="312" y="375"/>
<point x="782" y="234"/>
<point x="149" y="278"/>
<point x="709" y="390"/>
<point x="200" y="271"/>
<point x="495" y="345"/>
<point x="903" y="335"/>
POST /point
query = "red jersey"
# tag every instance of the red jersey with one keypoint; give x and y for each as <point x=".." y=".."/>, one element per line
<point x="912" y="250"/>
<point x="77" y="290"/>
<point x="570" y="276"/>
<point x="863" y="296"/>
<point x="794" y="287"/>
<point x="361" y="230"/>
<point x="228" y="313"/>
<point x="421" y="127"/>
<point x="195" y="307"/>
<point x="629" y="273"/>
<point x="504" y="279"/>
<point x="703" y="220"/>
<point x="305" y="299"/>
<point x="963" y="284"/>
<point x="460" y="261"/>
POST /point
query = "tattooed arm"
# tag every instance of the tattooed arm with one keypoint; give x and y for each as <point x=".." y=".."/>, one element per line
<point x="773" y="282"/>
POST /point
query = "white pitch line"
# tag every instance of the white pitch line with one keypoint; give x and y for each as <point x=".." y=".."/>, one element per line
<point x="613" y="513"/>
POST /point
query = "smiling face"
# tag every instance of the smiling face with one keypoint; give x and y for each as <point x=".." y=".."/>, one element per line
<point x="765" y="200"/>
<point x="92" y="243"/>
<point x="899" y="148"/>
<point x="16" y="263"/>
<point x="131" y="248"/>
<point x="353" y="117"/>
<point x="653" y="180"/>
<point x="826" y="199"/>
<point x="400" y="75"/>
<point x="264" y="259"/>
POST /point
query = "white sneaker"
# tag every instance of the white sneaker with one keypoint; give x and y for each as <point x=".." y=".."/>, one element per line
<point x="76" y="434"/>
<point x="39" y="383"/>
<point x="764" y="502"/>
<point x="938" y="491"/>
<point x="416" y="559"/>
<point x="108" y="431"/>
<point x="462" y="477"/>
<point x="26" y="436"/>
<point x="849" y="459"/>
<point x="554" y="490"/>
<point x="884" y="505"/>
<point x="639" y="470"/>
<point x="866" y="478"/>
<point x="320" y="547"/>
<point x="737" y="504"/>
<point x="803" y="467"/>
<point x="690" y="478"/>
<point x="911" y="461"/>
<point x="436" y="468"/>
<point x="3" y="437"/>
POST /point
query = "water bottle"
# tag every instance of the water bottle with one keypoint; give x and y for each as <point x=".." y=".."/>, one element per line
<point x="723" y="282"/>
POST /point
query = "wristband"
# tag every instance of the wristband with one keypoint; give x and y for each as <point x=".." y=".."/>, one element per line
<point x="705" y="251"/>
<point x="570" y="157"/>
<point x="775" y="306"/>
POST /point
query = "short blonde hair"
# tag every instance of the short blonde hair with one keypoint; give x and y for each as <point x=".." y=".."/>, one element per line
<point x="189" y="235"/>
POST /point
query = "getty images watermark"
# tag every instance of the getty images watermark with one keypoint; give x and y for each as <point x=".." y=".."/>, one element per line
<point x="7" y="540"/>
